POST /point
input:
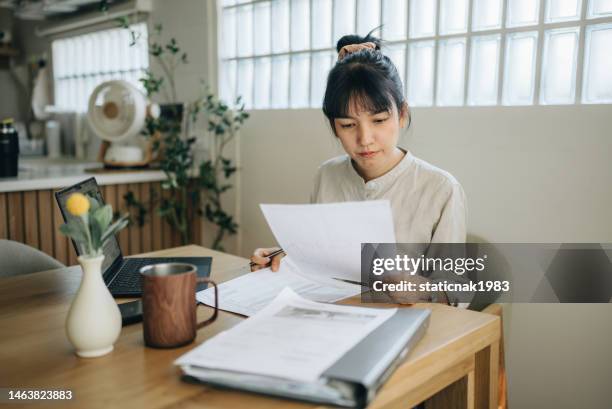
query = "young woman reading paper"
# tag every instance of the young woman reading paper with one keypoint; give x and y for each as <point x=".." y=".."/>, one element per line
<point x="367" y="111"/>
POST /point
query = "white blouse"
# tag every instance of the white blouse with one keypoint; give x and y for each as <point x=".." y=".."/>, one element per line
<point x="428" y="203"/>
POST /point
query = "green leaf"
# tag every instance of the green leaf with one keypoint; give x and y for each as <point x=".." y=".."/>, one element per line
<point x="95" y="231"/>
<point x="114" y="228"/>
<point x="75" y="231"/>
<point x="103" y="216"/>
<point x="124" y="21"/>
<point x="93" y="203"/>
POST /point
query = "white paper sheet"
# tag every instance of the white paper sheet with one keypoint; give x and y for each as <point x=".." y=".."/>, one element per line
<point x="324" y="240"/>
<point x="251" y="292"/>
<point x="292" y="338"/>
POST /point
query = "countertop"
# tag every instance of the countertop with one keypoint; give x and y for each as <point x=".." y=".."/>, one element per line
<point x="44" y="173"/>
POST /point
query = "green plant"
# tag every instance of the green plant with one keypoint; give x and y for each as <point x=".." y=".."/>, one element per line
<point x="223" y="124"/>
<point x="194" y="189"/>
<point x="89" y="224"/>
<point x="132" y="203"/>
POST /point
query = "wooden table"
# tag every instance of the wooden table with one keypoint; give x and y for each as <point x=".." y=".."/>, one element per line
<point x="454" y="366"/>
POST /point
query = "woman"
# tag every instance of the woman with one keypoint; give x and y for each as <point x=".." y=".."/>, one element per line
<point x="366" y="109"/>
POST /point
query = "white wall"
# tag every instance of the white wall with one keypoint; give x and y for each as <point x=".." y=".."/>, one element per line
<point x="190" y="23"/>
<point x="187" y="22"/>
<point x="531" y="174"/>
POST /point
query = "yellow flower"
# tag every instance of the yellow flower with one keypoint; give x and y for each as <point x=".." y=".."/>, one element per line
<point x="77" y="204"/>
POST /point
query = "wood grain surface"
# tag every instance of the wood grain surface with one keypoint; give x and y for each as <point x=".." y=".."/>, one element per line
<point x="169" y="309"/>
<point x="453" y="366"/>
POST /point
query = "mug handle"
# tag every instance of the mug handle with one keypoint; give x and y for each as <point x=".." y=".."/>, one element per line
<point x="215" y="313"/>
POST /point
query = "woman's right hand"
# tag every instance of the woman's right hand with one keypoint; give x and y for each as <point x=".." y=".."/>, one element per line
<point x="260" y="259"/>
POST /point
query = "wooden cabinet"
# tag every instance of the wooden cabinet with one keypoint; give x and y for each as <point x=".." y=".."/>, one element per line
<point x="33" y="217"/>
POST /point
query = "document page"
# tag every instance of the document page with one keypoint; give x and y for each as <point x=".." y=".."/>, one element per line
<point x="324" y="240"/>
<point x="251" y="292"/>
<point x="291" y="338"/>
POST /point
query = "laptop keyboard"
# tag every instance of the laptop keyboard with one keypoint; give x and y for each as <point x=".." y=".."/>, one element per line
<point x="128" y="280"/>
<point x="128" y="277"/>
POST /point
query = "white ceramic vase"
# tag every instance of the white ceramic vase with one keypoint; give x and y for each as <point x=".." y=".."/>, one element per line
<point x="94" y="320"/>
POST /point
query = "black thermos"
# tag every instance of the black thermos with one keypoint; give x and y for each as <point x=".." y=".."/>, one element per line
<point x="9" y="149"/>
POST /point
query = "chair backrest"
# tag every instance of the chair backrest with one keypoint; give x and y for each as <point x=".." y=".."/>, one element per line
<point x="18" y="258"/>
<point x="500" y="270"/>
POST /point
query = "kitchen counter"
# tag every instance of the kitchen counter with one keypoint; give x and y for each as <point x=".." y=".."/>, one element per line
<point x="29" y="213"/>
<point x="44" y="173"/>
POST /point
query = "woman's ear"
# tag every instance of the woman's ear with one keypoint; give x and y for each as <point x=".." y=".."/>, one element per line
<point x="404" y="116"/>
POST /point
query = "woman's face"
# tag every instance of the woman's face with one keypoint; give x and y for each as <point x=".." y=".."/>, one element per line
<point x="370" y="139"/>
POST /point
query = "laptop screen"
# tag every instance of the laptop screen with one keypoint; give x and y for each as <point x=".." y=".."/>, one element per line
<point x="90" y="188"/>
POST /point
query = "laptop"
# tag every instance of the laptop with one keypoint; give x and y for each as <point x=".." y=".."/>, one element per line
<point x="121" y="275"/>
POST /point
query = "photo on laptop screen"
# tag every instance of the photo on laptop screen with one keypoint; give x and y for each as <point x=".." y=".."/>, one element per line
<point x="89" y="188"/>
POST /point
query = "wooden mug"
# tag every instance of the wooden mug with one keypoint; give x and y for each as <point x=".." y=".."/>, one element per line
<point x="169" y="304"/>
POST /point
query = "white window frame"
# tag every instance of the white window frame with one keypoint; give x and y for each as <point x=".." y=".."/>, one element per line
<point x="102" y="75"/>
<point x="541" y="27"/>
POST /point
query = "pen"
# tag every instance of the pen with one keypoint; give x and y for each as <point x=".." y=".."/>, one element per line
<point x="271" y="255"/>
<point x="351" y="282"/>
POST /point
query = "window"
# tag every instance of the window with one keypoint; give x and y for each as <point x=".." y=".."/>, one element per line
<point x="277" y="53"/>
<point x="81" y="63"/>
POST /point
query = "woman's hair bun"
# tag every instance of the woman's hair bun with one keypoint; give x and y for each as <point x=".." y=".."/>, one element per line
<point x="350" y="39"/>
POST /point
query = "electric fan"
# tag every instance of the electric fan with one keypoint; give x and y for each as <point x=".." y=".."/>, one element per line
<point x="116" y="112"/>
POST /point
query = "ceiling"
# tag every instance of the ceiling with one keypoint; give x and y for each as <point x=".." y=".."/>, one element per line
<point x="44" y="9"/>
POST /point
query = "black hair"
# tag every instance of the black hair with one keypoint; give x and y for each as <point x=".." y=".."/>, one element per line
<point x="366" y="77"/>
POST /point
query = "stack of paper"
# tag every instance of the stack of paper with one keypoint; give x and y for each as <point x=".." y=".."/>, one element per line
<point x="322" y="242"/>
<point x="291" y="338"/>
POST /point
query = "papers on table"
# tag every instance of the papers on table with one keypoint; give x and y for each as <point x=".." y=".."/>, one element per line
<point x="251" y="292"/>
<point x="291" y="338"/>
<point x="322" y="242"/>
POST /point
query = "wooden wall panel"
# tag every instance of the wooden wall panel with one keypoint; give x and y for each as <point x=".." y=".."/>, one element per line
<point x="31" y="223"/>
<point x="135" y="230"/>
<point x="110" y="196"/>
<point x="72" y="255"/>
<point x="33" y="217"/>
<point x="15" y="216"/>
<point x="45" y="220"/>
<point x="196" y="236"/>
<point x="176" y="238"/>
<point x="60" y="242"/>
<point x="157" y="222"/>
<point x="124" y="236"/>
<point x="146" y="230"/>
<point x="167" y="229"/>
<point x="4" y="231"/>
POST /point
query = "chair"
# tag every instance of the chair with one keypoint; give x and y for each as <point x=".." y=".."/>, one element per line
<point x="17" y="258"/>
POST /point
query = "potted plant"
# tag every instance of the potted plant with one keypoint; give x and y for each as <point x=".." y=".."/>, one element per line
<point x="195" y="187"/>
<point x="93" y="323"/>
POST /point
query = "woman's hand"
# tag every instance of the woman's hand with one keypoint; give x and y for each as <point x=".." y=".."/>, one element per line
<point x="260" y="259"/>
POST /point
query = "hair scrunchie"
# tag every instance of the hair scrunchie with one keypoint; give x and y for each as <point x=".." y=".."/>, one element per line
<point x="352" y="48"/>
